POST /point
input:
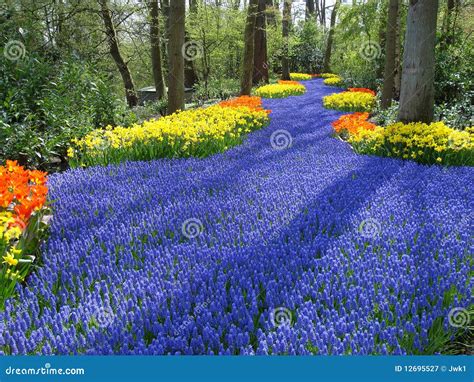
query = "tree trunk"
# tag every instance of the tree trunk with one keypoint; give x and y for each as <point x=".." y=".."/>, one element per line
<point x="398" y="48"/>
<point x="417" y="90"/>
<point x="260" y="64"/>
<point x="122" y="66"/>
<point x="176" y="58"/>
<point x="390" y="49"/>
<point x="447" y="29"/>
<point x="309" y="9"/>
<point x="192" y="5"/>
<point x="190" y="75"/>
<point x="270" y="12"/>
<point x="285" y="65"/>
<point x="317" y="11"/>
<point x="327" y="55"/>
<point x="165" y="10"/>
<point x="156" y="49"/>
<point x="249" y="39"/>
<point x="382" y="35"/>
<point x="323" y="13"/>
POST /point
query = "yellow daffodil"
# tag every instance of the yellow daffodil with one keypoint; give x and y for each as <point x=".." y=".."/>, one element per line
<point x="10" y="260"/>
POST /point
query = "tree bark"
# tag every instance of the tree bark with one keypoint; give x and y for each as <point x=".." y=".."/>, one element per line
<point x="114" y="49"/>
<point x="417" y="90"/>
<point x="249" y="49"/>
<point x="165" y="11"/>
<point x="285" y="65"/>
<point x="176" y="58"/>
<point x="382" y="36"/>
<point x="390" y="50"/>
<point x="327" y="55"/>
<point x="260" y="61"/>
<point x="398" y="48"/>
<point x="156" y="49"/>
<point x="309" y="9"/>
<point x="323" y="13"/>
<point x="190" y="75"/>
<point x="270" y="12"/>
<point x="192" y="5"/>
<point x="447" y="30"/>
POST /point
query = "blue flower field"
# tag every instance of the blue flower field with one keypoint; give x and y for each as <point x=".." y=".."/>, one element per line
<point x="288" y="244"/>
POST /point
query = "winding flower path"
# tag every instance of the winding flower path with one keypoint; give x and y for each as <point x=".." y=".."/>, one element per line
<point x="308" y="249"/>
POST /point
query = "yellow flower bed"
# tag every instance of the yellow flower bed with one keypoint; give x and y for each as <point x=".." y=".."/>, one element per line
<point x="198" y="132"/>
<point x="280" y="90"/>
<point x="333" y="81"/>
<point x="434" y="143"/>
<point x="350" y="101"/>
<point x="328" y="75"/>
<point x="300" y="76"/>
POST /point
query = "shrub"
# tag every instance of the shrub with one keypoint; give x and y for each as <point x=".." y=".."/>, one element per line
<point x="43" y="106"/>
<point x="300" y="76"/>
<point x="350" y="101"/>
<point x="428" y="144"/>
<point x="22" y="207"/>
<point x="198" y="132"/>
<point x="219" y="89"/>
<point x="281" y="90"/>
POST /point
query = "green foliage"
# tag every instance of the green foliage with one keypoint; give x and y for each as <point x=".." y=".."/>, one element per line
<point x="44" y="104"/>
<point x="306" y="49"/>
<point x="454" y="81"/>
<point x="216" y="89"/>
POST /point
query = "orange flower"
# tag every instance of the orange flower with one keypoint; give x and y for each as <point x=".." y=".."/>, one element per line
<point x="362" y="90"/>
<point x="284" y="82"/>
<point x="37" y="177"/>
<point x="254" y="103"/>
<point x="22" y="191"/>
<point x="352" y="123"/>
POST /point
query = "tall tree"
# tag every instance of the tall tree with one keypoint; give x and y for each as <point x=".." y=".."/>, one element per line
<point x="176" y="57"/>
<point x="193" y="5"/>
<point x="447" y="27"/>
<point x="390" y="52"/>
<point x="114" y="49"/>
<point x="249" y="48"/>
<point x="272" y="8"/>
<point x="285" y="65"/>
<point x="165" y="11"/>
<point x="321" y="9"/>
<point x="309" y="9"/>
<point x="190" y="76"/>
<point x="417" y="90"/>
<point x="327" y="54"/>
<point x="156" y="49"/>
<point x="260" y="60"/>
<point x="382" y="36"/>
<point x="398" y="58"/>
